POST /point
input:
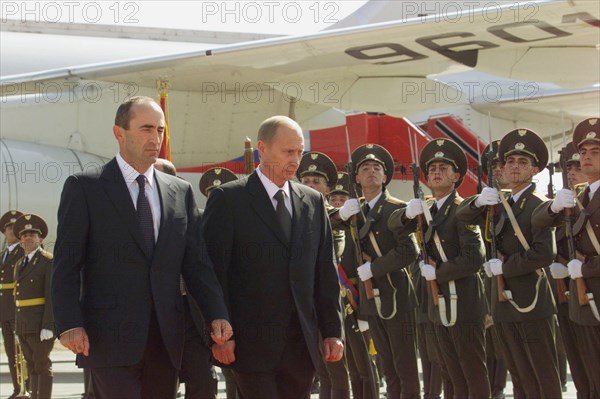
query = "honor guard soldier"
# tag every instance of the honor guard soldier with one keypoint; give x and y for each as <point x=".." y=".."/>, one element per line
<point x="496" y="365"/>
<point x="213" y="178"/>
<point x="339" y="193"/>
<point x="386" y="259"/>
<point x="583" y="267"/>
<point x="34" y="317"/>
<point x="455" y="255"/>
<point x="318" y="171"/>
<point x="10" y="255"/>
<point x="522" y="308"/>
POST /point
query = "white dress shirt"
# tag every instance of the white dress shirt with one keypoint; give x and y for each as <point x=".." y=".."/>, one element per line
<point x="272" y="189"/>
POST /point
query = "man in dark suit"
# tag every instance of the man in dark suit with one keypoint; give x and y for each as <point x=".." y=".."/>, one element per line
<point x="270" y="241"/>
<point x="126" y="233"/>
<point x="9" y="257"/>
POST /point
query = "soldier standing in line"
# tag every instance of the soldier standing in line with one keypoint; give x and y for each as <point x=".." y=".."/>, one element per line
<point x="496" y="365"/>
<point x="363" y="374"/>
<point x="34" y="317"/>
<point x="455" y="256"/>
<point x="387" y="257"/>
<point x="10" y="255"/>
<point x="211" y="179"/>
<point x="585" y="265"/>
<point x="522" y="307"/>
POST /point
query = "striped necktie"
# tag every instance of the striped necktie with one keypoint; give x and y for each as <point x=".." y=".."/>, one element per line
<point x="145" y="215"/>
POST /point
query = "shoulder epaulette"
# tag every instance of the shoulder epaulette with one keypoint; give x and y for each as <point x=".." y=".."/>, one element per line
<point x="46" y="254"/>
<point x="541" y="197"/>
<point x="394" y="200"/>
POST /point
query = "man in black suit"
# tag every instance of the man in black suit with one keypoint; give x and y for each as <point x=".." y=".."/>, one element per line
<point x="126" y="233"/>
<point x="270" y="241"/>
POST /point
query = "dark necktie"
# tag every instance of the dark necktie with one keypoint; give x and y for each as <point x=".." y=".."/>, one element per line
<point x="585" y="200"/>
<point x="285" y="220"/>
<point x="25" y="262"/>
<point x="367" y="208"/>
<point x="434" y="209"/>
<point x="145" y="215"/>
<point x="511" y="201"/>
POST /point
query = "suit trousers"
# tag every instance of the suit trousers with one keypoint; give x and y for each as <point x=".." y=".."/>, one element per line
<point x="362" y="371"/>
<point x="432" y="378"/>
<point x="153" y="377"/>
<point x="462" y="348"/>
<point x="530" y="352"/>
<point x="290" y="379"/>
<point x="8" y="336"/>
<point x="395" y="341"/>
<point x="570" y="344"/>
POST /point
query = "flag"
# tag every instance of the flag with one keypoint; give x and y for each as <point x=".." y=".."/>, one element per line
<point x="165" y="148"/>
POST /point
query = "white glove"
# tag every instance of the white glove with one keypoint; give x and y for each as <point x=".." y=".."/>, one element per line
<point x="558" y="271"/>
<point x="488" y="196"/>
<point x="487" y="269"/>
<point x="564" y="198"/>
<point x="495" y="266"/>
<point x="363" y="325"/>
<point x="575" y="268"/>
<point x="351" y="207"/>
<point x="427" y="271"/>
<point x="364" y="271"/>
<point x="414" y="208"/>
<point x="46" y="334"/>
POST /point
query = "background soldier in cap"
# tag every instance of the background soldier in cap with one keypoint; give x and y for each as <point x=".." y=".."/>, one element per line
<point x="586" y="264"/>
<point x="10" y="255"/>
<point x="339" y="192"/>
<point x="387" y="255"/>
<point x="456" y="253"/>
<point x="34" y="317"/>
<point x="318" y="171"/>
<point x="524" y="310"/>
<point x="197" y="372"/>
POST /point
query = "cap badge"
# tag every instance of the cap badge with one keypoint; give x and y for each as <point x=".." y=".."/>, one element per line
<point x="591" y="135"/>
<point x="519" y="146"/>
<point x="339" y="187"/>
<point x="440" y="142"/>
<point x="369" y="146"/>
<point x="12" y="220"/>
<point x="592" y="121"/>
<point x="439" y="154"/>
<point x="340" y="175"/>
<point x="370" y="156"/>
<point x="312" y="168"/>
<point x="28" y="226"/>
<point x="576" y="157"/>
<point x="27" y="217"/>
<point x="216" y="182"/>
<point x="314" y="156"/>
<point x="217" y="171"/>
<point x="522" y="132"/>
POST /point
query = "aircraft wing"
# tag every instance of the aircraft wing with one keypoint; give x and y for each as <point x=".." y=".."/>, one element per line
<point x="381" y="67"/>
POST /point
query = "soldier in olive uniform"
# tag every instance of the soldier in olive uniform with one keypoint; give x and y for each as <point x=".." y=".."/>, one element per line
<point x="586" y="265"/>
<point x="387" y="257"/>
<point x="455" y="256"/>
<point x="34" y="317"/>
<point x="523" y="311"/>
<point x="211" y="179"/>
<point x="10" y="255"/>
<point x="496" y="365"/>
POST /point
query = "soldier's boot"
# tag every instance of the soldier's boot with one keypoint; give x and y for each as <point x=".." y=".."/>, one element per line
<point x="340" y="394"/>
<point x="45" y="386"/>
<point x="370" y="391"/>
<point x="33" y="385"/>
<point x="357" y="389"/>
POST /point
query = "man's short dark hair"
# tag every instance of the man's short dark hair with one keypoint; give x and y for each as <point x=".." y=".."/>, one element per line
<point x="124" y="113"/>
<point x="165" y="166"/>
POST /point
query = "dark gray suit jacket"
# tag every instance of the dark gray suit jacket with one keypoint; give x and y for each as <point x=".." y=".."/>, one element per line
<point x="104" y="280"/>
<point x="264" y="278"/>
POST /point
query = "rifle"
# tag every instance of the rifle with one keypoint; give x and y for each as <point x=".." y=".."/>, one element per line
<point x="248" y="157"/>
<point x="353" y="224"/>
<point x="418" y="193"/>
<point x="479" y="168"/>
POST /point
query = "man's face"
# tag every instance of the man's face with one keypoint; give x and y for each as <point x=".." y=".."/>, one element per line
<point x="370" y="175"/>
<point x="281" y="157"/>
<point x="140" y="144"/>
<point x="498" y="170"/>
<point x="338" y="200"/>
<point x="441" y="176"/>
<point x="30" y="240"/>
<point x="590" y="161"/>
<point x="10" y="235"/>
<point x="519" y="169"/>
<point x="317" y="182"/>
<point x="574" y="174"/>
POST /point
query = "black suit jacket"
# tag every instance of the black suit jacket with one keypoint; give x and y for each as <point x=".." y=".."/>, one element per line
<point x="266" y="279"/>
<point x="104" y="280"/>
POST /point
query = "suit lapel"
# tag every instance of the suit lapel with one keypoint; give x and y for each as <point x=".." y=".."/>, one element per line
<point x="117" y="191"/>
<point x="300" y="208"/>
<point x="594" y="203"/>
<point x="22" y="273"/>
<point x="167" y="206"/>
<point x="442" y="214"/>
<point x="519" y="205"/>
<point x="263" y="206"/>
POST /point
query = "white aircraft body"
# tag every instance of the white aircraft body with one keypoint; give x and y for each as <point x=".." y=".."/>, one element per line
<point x="533" y="64"/>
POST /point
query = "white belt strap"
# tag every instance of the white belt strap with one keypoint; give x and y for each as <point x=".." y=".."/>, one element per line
<point x="376" y="290"/>
<point x="594" y="240"/>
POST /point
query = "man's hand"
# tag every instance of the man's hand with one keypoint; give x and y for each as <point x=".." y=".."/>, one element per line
<point x="220" y="331"/>
<point x="46" y="334"/>
<point x="364" y="271"/>
<point x="558" y="271"/>
<point x="333" y="349"/>
<point x="488" y="196"/>
<point x="575" y="268"/>
<point x="351" y="207"/>
<point x="564" y="198"/>
<point x="427" y="271"/>
<point x="487" y="269"/>
<point x="76" y="340"/>
<point x="414" y="208"/>
<point x="363" y="325"/>
<point x="224" y="354"/>
<point x="495" y="266"/>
